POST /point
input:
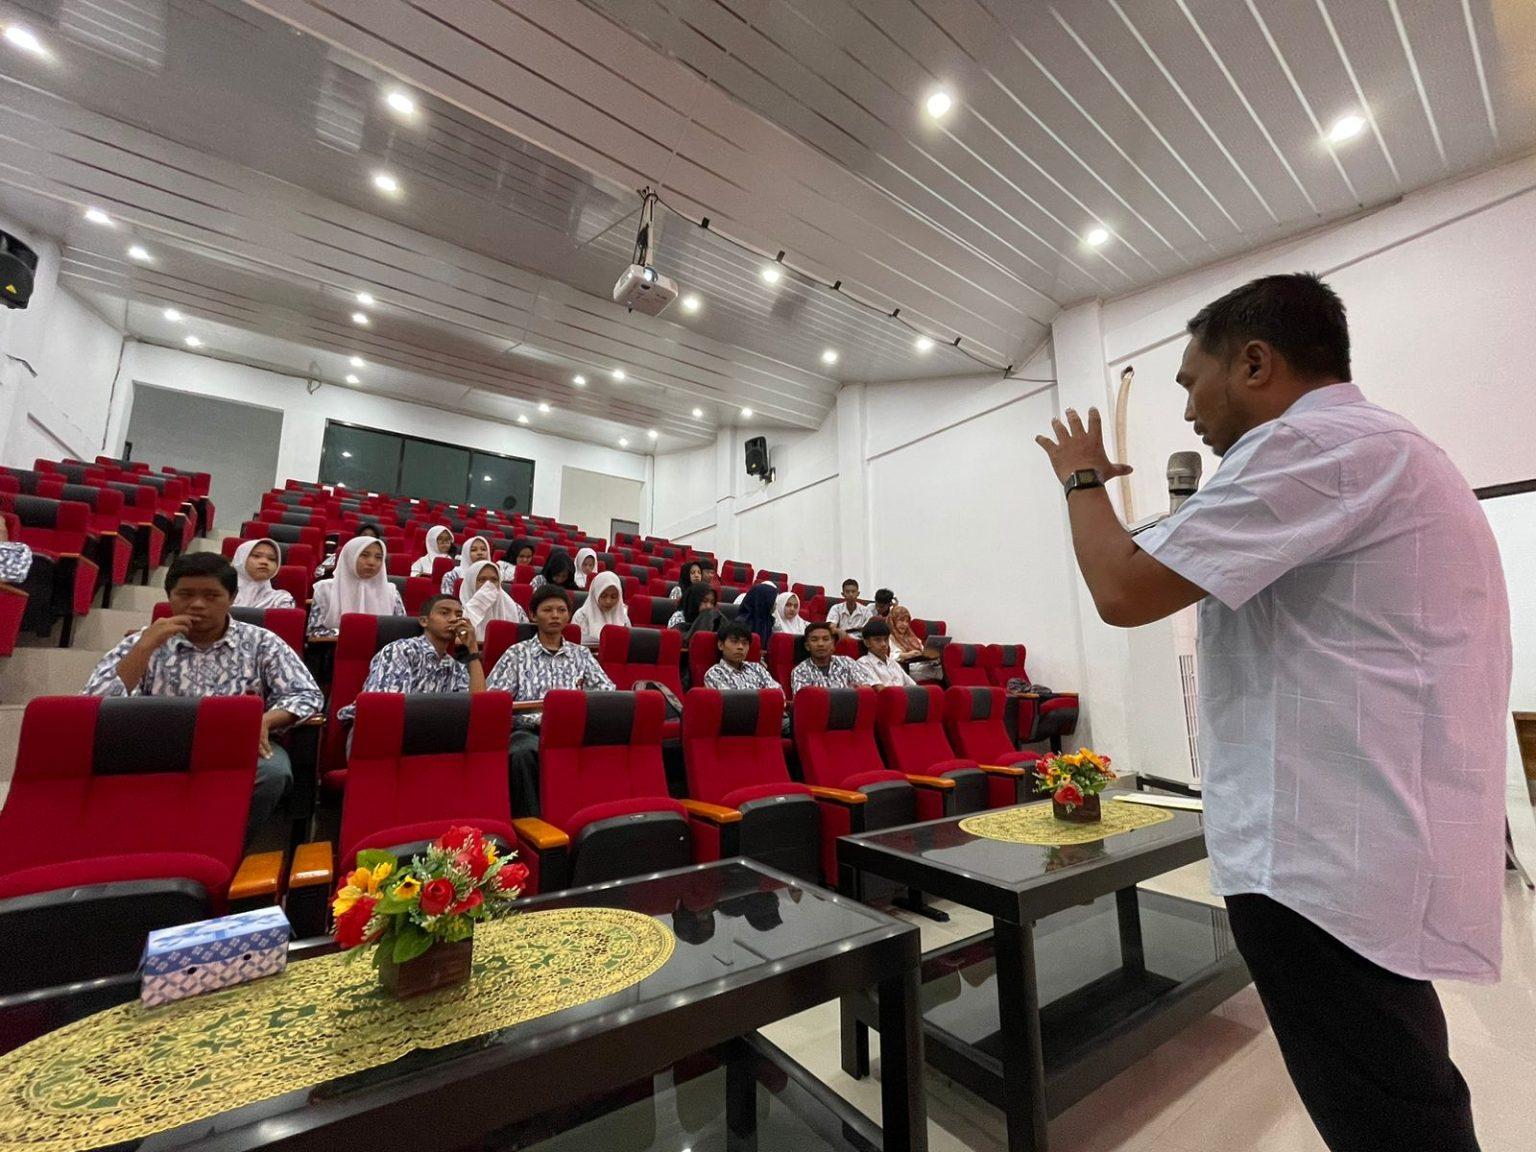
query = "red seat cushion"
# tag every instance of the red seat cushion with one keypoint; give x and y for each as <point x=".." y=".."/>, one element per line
<point x="608" y="809"/>
<point x="427" y="830"/>
<point x="860" y="779"/>
<point x="752" y="792"/>
<point x="207" y="871"/>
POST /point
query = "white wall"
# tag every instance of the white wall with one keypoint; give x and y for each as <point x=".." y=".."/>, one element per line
<point x="683" y="496"/>
<point x="304" y="418"/>
<point x="594" y="500"/>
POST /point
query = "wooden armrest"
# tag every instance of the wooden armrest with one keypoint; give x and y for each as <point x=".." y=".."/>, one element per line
<point x="712" y="812"/>
<point x="258" y="875"/>
<point x="938" y="782"/>
<point x="527" y="706"/>
<point x="309" y="722"/>
<point x="311" y="865"/>
<point x="321" y="639"/>
<point x="11" y="590"/>
<point x="542" y="836"/>
<point x="1002" y="770"/>
<point x="838" y="795"/>
<point x="67" y="555"/>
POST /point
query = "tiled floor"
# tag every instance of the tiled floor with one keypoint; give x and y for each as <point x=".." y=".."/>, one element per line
<point x="1220" y="1085"/>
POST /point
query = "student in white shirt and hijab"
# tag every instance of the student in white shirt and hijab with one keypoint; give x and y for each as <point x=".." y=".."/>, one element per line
<point x="488" y="601"/>
<point x="359" y="585"/>
<point x="439" y="543"/>
<point x="256" y="562"/>
<point x="586" y="566"/>
<point x="604" y="606"/>
<point x="786" y="614"/>
<point x="475" y="550"/>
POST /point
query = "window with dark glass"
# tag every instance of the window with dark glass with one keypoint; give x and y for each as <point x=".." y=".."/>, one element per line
<point x="368" y="459"/>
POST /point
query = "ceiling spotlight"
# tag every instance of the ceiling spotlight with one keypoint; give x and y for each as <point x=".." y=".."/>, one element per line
<point x="140" y="253"/>
<point x="698" y="413"/>
<point x="487" y="479"/>
<point x="746" y="413"/>
<point x="351" y="379"/>
<point x="97" y="216"/>
<point x="690" y="303"/>
<point x="194" y="342"/>
<point x="365" y="299"/>
<point x="652" y="433"/>
<point x="579" y="380"/>
<point x="356" y="362"/>
<point x="173" y="316"/>
<point x="922" y="344"/>
<point x="623" y="441"/>
<point x="1096" y="236"/>
<point x="618" y="373"/>
<point x="1345" y="128"/>
<point x="345" y="455"/>
<point x="521" y="418"/>
<point x="360" y="318"/>
<point x="770" y="274"/>
<point x="401" y="103"/>
<point x="829" y="356"/>
<point x="384" y="182"/>
<point x="939" y="103"/>
<point x="544" y="407"/>
<point x="24" y="39"/>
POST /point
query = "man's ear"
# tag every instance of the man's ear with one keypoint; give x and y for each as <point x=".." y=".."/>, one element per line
<point x="1258" y="361"/>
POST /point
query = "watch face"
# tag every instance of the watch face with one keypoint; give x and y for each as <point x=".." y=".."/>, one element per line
<point x="1086" y="476"/>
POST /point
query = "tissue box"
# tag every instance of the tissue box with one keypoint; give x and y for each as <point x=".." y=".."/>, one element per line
<point x="191" y="959"/>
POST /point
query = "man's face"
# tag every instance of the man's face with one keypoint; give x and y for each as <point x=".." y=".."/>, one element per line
<point x="879" y="645"/>
<point x="1215" y="397"/>
<point x="850" y="594"/>
<point x="734" y="649"/>
<point x="820" y="645"/>
<point x="552" y="616"/>
<point x="204" y="600"/>
<point x="443" y="620"/>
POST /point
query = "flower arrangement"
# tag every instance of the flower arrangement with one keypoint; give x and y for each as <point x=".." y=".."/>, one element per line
<point x="435" y="899"/>
<point x="1072" y="778"/>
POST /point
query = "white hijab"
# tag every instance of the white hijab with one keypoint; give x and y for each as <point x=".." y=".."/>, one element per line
<point x="433" y="551"/>
<point x="582" y="554"/>
<point x="349" y="592"/>
<point x="466" y="564"/>
<point x="795" y="627"/>
<point x="489" y="602"/>
<point x="257" y="593"/>
<point x="590" y="618"/>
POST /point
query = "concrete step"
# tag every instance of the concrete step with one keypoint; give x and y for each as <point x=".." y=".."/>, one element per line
<point x="10" y="738"/>
<point x="140" y="598"/>
<point x="32" y="672"/>
<point x="104" y="627"/>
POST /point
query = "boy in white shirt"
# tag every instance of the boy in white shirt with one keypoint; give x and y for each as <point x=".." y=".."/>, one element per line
<point x="848" y="615"/>
<point x="882" y="668"/>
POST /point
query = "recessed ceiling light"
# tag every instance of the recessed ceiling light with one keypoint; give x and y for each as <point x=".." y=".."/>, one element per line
<point x="194" y="342"/>
<point x="360" y="318"/>
<point x="401" y="103"/>
<point x="623" y="441"/>
<point x="97" y="216"/>
<point x="698" y="413"/>
<point x="173" y="316"/>
<point x="345" y="455"/>
<point x="770" y="274"/>
<point x="652" y="433"/>
<point x="1096" y="236"/>
<point x="365" y="299"/>
<point x="690" y="303"/>
<point x="522" y="419"/>
<point x="922" y="344"/>
<point x="384" y="182"/>
<point x="543" y="406"/>
<point x="138" y="252"/>
<point x="24" y="39"/>
<point x="1345" y="128"/>
<point x="746" y="413"/>
<point x="356" y="362"/>
<point x="829" y="356"/>
<point x="351" y="379"/>
<point x="487" y="479"/>
<point x="939" y="103"/>
<point x="618" y="373"/>
<point x="579" y="380"/>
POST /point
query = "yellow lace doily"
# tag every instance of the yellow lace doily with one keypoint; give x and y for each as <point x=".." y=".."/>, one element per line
<point x="128" y="1072"/>
<point x="1036" y="824"/>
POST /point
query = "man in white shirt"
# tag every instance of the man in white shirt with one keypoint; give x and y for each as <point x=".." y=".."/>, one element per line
<point x="882" y="668"/>
<point x="1354" y="655"/>
<point x="848" y="615"/>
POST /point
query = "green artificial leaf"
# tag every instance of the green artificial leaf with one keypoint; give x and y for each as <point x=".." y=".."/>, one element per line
<point x="392" y="905"/>
<point x="410" y="943"/>
<point x="371" y="858"/>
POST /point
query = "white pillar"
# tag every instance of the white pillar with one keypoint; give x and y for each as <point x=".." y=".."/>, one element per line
<point x="854" y="547"/>
<point x="727" y="464"/>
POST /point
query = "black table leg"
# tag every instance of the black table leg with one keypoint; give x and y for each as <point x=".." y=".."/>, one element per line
<point x="1133" y="956"/>
<point x="1018" y="1010"/>
<point x="740" y="1102"/>
<point x="855" y="1037"/>
<point x="903" y="1103"/>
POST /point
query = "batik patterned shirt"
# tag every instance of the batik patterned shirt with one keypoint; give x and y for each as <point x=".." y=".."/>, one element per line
<point x="15" y="561"/>
<point x="246" y="661"/>
<point x="749" y="677"/>
<point x="410" y="665"/>
<point x="841" y="673"/>
<point x="530" y="671"/>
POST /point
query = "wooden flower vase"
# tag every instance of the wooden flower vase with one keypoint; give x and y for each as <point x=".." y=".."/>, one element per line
<point x="1088" y="812"/>
<point x="440" y="966"/>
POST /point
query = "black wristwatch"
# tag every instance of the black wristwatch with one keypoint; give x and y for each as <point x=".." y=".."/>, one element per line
<point x="1083" y="478"/>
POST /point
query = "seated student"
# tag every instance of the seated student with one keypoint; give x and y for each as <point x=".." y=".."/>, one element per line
<point x="604" y="606"/>
<point x="786" y="614"/>
<point x="909" y="650"/>
<point x="439" y="543"/>
<point x="529" y="671"/>
<point x="327" y="567"/>
<point x="476" y="550"/>
<point x="823" y="668"/>
<point x="757" y="611"/>
<point x="429" y="662"/>
<point x="519" y="552"/>
<point x="848" y="615"/>
<point x="358" y="586"/>
<point x="256" y="562"/>
<point x="885" y="600"/>
<point x="692" y="573"/>
<point x="199" y="651"/>
<point x="735" y="671"/>
<point x="586" y="566"/>
<point x="699" y="609"/>
<point x="558" y="570"/>
<point x="879" y="662"/>
<point x="484" y="600"/>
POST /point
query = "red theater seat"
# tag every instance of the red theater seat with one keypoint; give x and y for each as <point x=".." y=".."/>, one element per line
<point x="737" y="572"/>
<point x="909" y="724"/>
<point x="1041" y="715"/>
<point x="650" y="611"/>
<point x="359" y="637"/>
<point x="927" y="629"/>
<point x="62" y="581"/>
<point x="964" y="666"/>
<point x="973" y="717"/>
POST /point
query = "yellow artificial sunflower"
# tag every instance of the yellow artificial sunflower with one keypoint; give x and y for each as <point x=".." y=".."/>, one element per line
<point x="360" y="882"/>
<point x="408" y="889"/>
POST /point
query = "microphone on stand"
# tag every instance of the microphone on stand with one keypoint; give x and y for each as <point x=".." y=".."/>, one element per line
<point x="1183" y="478"/>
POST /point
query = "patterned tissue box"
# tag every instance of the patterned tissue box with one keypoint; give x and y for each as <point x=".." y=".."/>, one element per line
<point x="191" y="959"/>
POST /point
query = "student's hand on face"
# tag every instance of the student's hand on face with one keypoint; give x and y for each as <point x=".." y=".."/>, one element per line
<point x="1077" y="447"/>
<point x="264" y="744"/>
<point x="160" y="631"/>
<point x="464" y="633"/>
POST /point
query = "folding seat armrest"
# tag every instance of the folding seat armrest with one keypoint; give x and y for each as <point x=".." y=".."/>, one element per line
<point x="711" y="812"/>
<point x="1019" y="776"/>
<point x="839" y="796"/>
<point x="546" y="851"/>
<point x="310" y="880"/>
<point x="937" y="783"/>
<point x="11" y="590"/>
<point x="256" y="881"/>
<point x="718" y="835"/>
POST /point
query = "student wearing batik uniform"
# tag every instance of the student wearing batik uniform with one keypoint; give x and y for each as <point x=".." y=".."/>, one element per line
<point x="823" y="668"/>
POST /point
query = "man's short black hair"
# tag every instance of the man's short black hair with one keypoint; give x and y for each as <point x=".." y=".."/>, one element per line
<point x="885" y="596"/>
<point x="876" y="627"/>
<point x="1296" y="314"/>
<point x="203" y="564"/>
<point x="817" y="626"/>
<point x="849" y="581"/>
<point x="548" y="592"/>
<point x="431" y="602"/>
<point x="736" y="630"/>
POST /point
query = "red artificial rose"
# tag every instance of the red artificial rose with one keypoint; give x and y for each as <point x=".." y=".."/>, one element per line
<point x="436" y="896"/>
<point x="512" y="876"/>
<point x="1069" y="794"/>
<point x="458" y="837"/>
<point x="474" y="859"/>
<point x="469" y="903"/>
<point x="352" y="925"/>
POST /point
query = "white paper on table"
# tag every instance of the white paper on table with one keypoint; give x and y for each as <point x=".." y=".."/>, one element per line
<point x="1186" y="803"/>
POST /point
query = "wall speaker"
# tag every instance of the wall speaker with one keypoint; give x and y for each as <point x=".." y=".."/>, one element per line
<point x="17" y="265"/>
<point x="757" y="459"/>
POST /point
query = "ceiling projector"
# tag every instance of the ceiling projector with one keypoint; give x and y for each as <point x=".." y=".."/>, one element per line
<point x="643" y="289"/>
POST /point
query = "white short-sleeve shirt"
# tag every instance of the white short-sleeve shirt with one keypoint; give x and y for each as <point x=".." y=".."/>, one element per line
<point x="1354" y="655"/>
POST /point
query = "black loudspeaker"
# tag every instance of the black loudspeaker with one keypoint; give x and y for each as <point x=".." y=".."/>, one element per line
<point x="757" y="458"/>
<point x="17" y="264"/>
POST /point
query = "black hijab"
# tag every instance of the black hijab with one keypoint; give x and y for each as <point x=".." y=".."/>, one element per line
<point x="560" y="570"/>
<point x="694" y="596"/>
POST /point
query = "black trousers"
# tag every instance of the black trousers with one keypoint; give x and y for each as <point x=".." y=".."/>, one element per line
<point x="1366" y="1048"/>
<point x="523" y="771"/>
